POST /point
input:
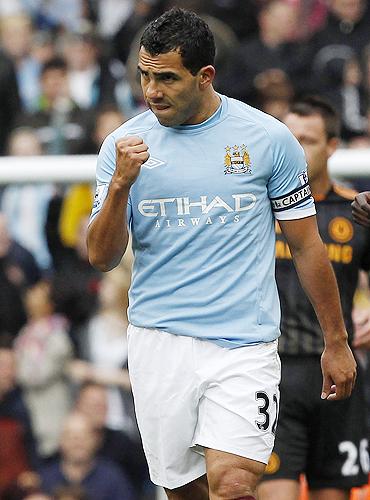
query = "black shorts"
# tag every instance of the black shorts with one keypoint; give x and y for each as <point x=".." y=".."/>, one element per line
<point x="326" y="440"/>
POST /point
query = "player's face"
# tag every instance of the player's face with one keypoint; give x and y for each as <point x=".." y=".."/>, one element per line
<point x="169" y="89"/>
<point x="310" y="132"/>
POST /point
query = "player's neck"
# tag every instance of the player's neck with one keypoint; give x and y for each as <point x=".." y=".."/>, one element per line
<point x="321" y="185"/>
<point x="211" y="103"/>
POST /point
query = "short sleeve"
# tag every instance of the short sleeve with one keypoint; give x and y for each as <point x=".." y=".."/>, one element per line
<point x="288" y="187"/>
<point x="104" y="171"/>
<point x="106" y="165"/>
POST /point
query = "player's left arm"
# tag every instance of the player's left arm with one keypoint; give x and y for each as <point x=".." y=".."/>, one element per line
<point x="318" y="280"/>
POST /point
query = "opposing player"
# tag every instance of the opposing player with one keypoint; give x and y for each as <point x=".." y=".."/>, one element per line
<point x="198" y="180"/>
<point x="327" y="442"/>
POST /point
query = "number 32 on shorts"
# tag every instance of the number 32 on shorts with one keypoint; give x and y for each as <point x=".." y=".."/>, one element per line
<point x="265" y="409"/>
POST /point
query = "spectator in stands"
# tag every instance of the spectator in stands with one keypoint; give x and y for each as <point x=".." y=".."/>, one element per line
<point x="10" y="8"/>
<point x="43" y="350"/>
<point x="26" y="487"/>
<point x="312" y="16"/>
<point x="79" y="465"/>
<point x="241" y="17"/>
<point x="12" y="314"/>
<point x="338" y="77"/>
<point x="56" y="15"/>
<point x="108" y="118"/>
<point x="40" y="496"/>
<point x="276" y="49"/>
<point x="18" y="270"/>
<point x="103" y="346"/>
<point x="75" y="207"/>
<point x="17" y="493"/>
<point x="19" y="263"/>
<point x="353" y="100"/>
<point x="274" y="92"/>
<point x="9" y="98"/>
<point x="17" y="450"/>
<point x="16" y="33"/>
<point x="92" y="77"/>
<point x="110" y="15"/>
<point x="75" y="297"/>
<point x="62" y="127"/>
<point x="25" y="205"/>
<point x="117" y="446"/>
<point x="43" y="47"/>
<point x="78" y="199"/>
<point x="337" y="51"/>
<point x="70" y="493"/>
<point x="347" y="26"/>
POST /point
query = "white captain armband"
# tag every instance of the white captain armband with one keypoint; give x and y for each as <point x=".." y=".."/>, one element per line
<point x="292" y="199"/>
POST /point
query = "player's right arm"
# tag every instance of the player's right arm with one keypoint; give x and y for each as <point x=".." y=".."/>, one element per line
<point x="108" y="232"/>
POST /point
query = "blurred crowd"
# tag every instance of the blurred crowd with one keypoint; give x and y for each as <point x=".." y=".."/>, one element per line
<point x="68" y="77"/>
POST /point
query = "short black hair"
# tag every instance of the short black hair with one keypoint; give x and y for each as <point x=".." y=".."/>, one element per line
<point x="6" y="341"/>
<point x="182" y="30"/>
<point x="316" y="105"/>
<point x="54" y="63"/>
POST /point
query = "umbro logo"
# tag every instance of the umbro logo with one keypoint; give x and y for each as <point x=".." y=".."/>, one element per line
<point x="153" y="163"/>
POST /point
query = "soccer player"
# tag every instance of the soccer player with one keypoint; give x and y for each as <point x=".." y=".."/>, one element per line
<point x="198" y="180"/>
<point x="327" y="442"/>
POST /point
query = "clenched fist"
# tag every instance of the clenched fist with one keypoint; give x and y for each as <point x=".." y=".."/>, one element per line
<point x="131" y="153"/>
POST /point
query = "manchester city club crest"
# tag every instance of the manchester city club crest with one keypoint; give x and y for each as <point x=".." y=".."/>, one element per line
<point x="237" y="160"/>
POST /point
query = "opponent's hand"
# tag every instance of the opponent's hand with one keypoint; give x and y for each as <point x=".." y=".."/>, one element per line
<point x="361" y="209"/>
<point x="339" y="372"/>
<point x="361" y="323"/>
<point x="131" y="153"/>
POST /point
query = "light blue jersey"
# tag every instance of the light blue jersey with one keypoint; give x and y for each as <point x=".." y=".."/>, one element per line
<point x="201" y="215"/>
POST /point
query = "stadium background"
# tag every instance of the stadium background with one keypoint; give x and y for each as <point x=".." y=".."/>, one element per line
<point x="67" y="78"/>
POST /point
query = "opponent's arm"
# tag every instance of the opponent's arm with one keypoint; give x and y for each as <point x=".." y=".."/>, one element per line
<point x="318" y="280"/>
<point x="108" y="233"/>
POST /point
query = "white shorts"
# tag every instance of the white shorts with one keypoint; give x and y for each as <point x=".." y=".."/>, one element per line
<point x="190" y="394"/>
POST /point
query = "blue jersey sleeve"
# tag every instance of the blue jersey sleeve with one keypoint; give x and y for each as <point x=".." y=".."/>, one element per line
<point x="104" y="171"/>
<point x="288" y="186"/>
<point x="106" y="165"/>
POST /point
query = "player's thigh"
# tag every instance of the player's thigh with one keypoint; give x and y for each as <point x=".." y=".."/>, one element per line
<point x="339" y="458"/>
<point x="279" y="489"/>
<point x="225" y="470"/>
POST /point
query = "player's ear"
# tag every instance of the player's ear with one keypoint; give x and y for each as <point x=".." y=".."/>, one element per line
<point x="206" y="76"/>
<point x="333" y="144"/>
